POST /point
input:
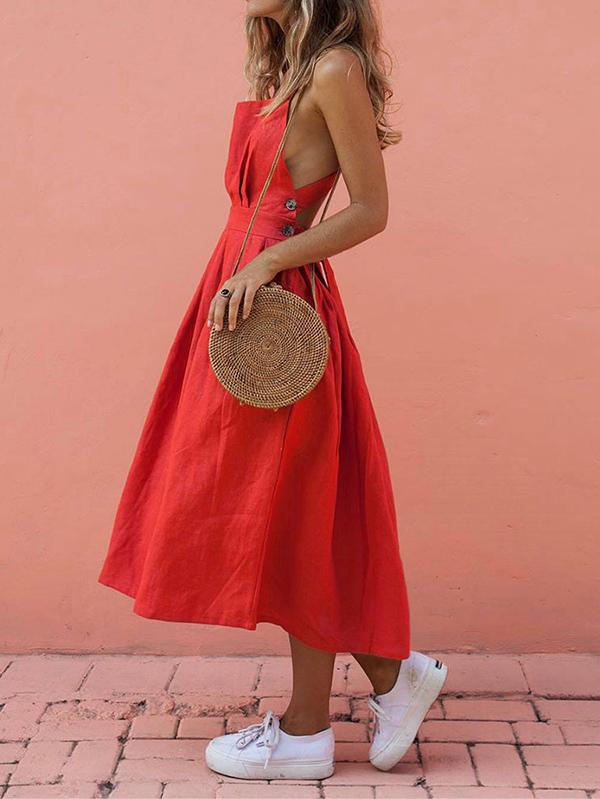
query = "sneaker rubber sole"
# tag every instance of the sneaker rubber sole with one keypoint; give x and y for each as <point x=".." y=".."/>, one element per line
<point x="278" y="770"/>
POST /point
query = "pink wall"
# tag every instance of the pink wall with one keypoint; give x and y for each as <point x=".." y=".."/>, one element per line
<point x="477" y="311"/>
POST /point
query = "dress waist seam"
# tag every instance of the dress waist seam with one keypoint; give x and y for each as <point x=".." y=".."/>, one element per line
<point x="267" y="223"/>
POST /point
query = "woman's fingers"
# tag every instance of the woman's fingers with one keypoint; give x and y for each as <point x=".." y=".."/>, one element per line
<point x="211" y="312"/>
<point x="243" y="291"/>
<point x="249" y="299"/>
<point x="234" y="304"/>
<point x="219" y="313"/>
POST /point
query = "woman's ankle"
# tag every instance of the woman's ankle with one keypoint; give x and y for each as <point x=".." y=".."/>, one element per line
<point x="383" y="679"/>
<point x="294" y="723"/>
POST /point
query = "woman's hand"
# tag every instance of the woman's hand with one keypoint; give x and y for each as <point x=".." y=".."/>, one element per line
<point x="243" y="286"/>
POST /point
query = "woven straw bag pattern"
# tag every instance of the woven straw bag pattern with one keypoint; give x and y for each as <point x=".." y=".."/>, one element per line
<point x="279" y="353"/>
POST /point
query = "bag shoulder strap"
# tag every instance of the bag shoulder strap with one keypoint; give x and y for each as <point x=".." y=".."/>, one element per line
<point x="293" y="105"/>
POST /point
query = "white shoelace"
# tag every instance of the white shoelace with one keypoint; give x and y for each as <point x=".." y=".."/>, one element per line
<point x="377" y="710"/>
<point x="267" y="730"/>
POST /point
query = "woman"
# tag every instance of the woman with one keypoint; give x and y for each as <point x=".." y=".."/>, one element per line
<point x="235" y="515"/>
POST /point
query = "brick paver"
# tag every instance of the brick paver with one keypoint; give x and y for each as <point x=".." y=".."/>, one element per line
<point x="209" y="676"/>
<point x="351" y="752"/>
<point x="499" y="765"/>
<point x="506" y="727"/>
<point x="473" y="731"/>
<point x="484" y="674"/>
<point x="565" y="755"/>
<point x="447" y="764"/>
<point x="42" y="762"/>
<point x="342" y="792"/>
<point x="558" y="710"/>
<point x="203" y="727"/>
<point x="189" y="790"/>
<point x="480" y="792"/>
<point x="127" y="676"/>
<point x="138" y="790"/>
<point x="580" y="733"/>
<point x="11" y="752"/>
<point x="19" y="718"/>
<point x="272" y="791"/>
<point x="535" y="732"/>
<point x="365" y="774"/>
<point x="164" y="769"/>
<point x="563" y="675"/>
<point x="349" y="731"/>
<point x="92" y="761"/>
<point x="489" y="709"/>
<point x="48" y="674"/>
<point x="168" y="749"/>
<point x="558" y="776"/>
<point x="80" y="730"/>
<point x="275" y="676"/>
<point x="64" y="790"/>
<point x="397" y="792"/>
<point x="154" y="727"/>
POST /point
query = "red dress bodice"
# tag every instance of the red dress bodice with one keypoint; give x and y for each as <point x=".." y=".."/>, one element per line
<point x="253" y="144"/>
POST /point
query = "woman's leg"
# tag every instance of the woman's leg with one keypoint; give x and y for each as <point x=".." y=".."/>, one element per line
<point x="308" y="709"/>
<point x="383" y="672"/>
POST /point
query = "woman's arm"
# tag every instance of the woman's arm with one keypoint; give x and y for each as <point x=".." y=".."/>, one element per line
<point x="341" y="95"/>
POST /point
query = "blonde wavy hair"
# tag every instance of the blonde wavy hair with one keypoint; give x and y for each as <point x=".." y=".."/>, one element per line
<point x="277" y="64"/>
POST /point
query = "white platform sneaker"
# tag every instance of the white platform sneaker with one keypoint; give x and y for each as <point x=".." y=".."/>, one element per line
<point x="400" y="711"/>
<point x="265" y="752"/>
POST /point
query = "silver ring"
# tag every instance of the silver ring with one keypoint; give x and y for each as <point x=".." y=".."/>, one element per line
<point x="225" y="292"/>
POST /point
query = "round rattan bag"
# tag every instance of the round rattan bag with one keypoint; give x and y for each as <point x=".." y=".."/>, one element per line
<point x="275" y="356"/>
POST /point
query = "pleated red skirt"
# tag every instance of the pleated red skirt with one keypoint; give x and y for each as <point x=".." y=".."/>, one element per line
<point x="235" y="515"/>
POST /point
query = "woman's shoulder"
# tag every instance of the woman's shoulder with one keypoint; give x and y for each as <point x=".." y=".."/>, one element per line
<point x="336" y="61"/>
<point x="338" y="72"/>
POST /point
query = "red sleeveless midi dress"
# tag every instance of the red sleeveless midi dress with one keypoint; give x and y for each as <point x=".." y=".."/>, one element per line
<point x="235" y="515"/>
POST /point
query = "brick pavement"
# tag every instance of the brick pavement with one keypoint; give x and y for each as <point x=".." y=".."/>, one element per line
<point x="134" y="727"/>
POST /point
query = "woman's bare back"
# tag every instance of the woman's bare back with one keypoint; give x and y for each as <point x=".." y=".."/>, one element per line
<point x="309" y="154"/>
